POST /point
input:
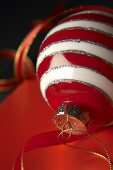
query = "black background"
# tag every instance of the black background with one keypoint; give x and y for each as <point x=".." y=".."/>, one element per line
<point x="15" y="23"/>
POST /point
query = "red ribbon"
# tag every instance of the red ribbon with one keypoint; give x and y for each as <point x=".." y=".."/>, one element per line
<point x="7" y="84"/>
<point x="29" y="71"/>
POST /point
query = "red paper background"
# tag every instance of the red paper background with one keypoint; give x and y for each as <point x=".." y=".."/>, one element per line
<point x="22" y="115"/>
<point x="25" y="114"/>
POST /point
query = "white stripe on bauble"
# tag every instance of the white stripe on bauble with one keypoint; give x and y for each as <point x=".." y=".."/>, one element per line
<point x="107" y="14"/>
<point x="81" y="74"/>
<point x="71" y="45"/>
<point x="83" y="24"/>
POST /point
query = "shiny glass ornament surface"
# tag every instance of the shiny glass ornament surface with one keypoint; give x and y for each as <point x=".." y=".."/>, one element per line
<point x="75" y="64"/>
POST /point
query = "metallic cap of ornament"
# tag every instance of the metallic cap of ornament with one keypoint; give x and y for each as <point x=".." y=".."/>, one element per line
<point x="61" y="109"/>
<point x="71" y="119"/>
<point x="74" y="111"/>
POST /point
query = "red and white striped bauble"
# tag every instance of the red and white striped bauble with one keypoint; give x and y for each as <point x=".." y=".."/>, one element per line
<point x="75" y="64"/>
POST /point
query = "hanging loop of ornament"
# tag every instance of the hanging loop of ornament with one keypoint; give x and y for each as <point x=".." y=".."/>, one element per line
<point x="71" y="120"/>
<point x="107" y="157"/>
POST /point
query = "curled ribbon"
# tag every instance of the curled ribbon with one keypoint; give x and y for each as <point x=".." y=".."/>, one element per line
<point x="28" y="70"/>
<point x="8" y="84"/>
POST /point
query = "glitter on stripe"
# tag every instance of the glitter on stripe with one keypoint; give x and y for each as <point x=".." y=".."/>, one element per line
<point x="80" y="74"/>
<point x="80" y="45"/>
<point x="85" y="24"/>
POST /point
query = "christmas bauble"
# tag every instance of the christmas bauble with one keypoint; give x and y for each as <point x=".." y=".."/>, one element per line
<point x="75" y="68"/>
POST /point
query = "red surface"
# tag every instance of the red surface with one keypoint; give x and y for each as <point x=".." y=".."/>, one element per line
<point x="61" y="157"/>
<point x="25" y="114"/>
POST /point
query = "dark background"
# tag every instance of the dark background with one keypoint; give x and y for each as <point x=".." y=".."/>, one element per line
<point x="15" y="22"/>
